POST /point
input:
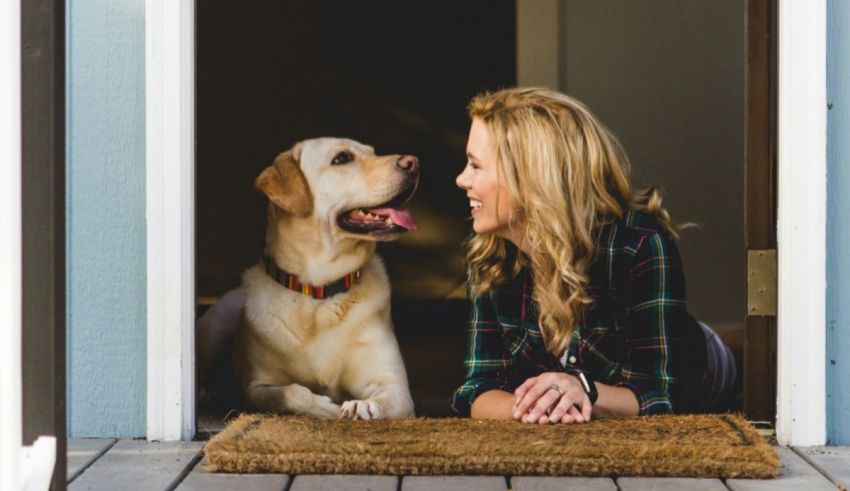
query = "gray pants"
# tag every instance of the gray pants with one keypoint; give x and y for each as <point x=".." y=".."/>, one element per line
<point x="717" y="392"/>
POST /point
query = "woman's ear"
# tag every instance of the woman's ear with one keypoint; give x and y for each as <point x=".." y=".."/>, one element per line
<point x="285" y="185"/>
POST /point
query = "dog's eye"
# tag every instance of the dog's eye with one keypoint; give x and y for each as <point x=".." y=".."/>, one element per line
<point x="342" y="158"/>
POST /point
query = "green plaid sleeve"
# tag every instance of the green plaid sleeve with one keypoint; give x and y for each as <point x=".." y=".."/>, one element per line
<point x="486" y="361"/>
<point x="655" y="316"/>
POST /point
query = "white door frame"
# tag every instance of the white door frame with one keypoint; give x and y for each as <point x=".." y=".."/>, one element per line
<point x="11" y="424"/>
<point x="801" y="222"/>
<point x="170" y="214"/>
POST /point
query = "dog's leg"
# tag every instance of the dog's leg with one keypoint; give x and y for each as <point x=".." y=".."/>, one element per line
<point x="377" y="380"/>
<point x="292" y="398"/>
<point x="214" y="332"/>
<point x="378" y="401"/>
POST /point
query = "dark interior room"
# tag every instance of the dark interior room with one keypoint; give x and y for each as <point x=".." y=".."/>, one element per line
<point x="394" y="75"/>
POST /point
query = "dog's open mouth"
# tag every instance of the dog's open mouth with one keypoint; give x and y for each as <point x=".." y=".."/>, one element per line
<point x="386" y="218"/>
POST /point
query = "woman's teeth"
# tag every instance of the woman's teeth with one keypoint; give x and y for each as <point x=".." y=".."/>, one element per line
<point x="474" y="203"/>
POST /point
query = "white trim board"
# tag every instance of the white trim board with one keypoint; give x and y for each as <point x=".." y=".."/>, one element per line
<point x="801" y="224"/>
<point x="11" y="430"/>
<point x="170" y="214"/>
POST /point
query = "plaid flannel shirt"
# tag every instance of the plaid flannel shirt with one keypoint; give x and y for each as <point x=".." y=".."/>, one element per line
<point x="631" y="335"/>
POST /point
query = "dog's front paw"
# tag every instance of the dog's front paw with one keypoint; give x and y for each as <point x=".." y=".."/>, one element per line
<point x="324" y="407"/>
<point x="355" y="409"/>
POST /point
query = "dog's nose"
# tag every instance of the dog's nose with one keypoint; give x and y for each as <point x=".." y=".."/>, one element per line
<point x="408" y="163"/>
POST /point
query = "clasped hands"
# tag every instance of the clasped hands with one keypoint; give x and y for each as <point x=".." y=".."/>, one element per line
<point x="551" y="397"/>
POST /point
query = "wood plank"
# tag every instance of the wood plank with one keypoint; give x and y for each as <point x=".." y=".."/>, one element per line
<point x="83" y="451"/>
<point x="833" y="462"/>
<point x="796" y="475"/>
<point x="760" y="126"/>
<point x="759" y="351"/>
<point x="453" y="483"/>
<point x="210" y="481"/>
<point x="43" y="335"/>
<point x="344" y="482"/>
<point x="533" y="483"/>
<point x="760" y="369"/>
<point x="138" y="465"/>
<point x="668" y="483"/>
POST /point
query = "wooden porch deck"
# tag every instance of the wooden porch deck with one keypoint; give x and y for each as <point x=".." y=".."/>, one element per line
<point x="127" y="465"/>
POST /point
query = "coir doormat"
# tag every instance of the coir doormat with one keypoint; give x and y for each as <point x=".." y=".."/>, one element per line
<point x="724" y="446"/>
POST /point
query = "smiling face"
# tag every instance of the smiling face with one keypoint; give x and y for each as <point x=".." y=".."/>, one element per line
<point x="490" y="202"/>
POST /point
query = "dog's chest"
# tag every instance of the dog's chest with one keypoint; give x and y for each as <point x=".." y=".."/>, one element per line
<point x="301" y="338"/>
<point x="304" y="332"/>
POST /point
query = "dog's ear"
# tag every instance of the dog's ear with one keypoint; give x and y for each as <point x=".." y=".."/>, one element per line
<point x="285" y="185"/>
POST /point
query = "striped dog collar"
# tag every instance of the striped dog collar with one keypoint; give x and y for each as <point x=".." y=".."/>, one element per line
<point x="291" y="281"/>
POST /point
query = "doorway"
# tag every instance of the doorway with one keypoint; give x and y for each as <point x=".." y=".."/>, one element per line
<point x="666" y="77"/>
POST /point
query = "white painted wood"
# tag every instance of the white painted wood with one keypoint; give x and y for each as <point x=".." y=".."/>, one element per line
<point x="343" y="482"/>
<point x="82" y="452"/>
<point x="537" y="43"/>
<point x="37" y="463"/>
<point x="453" y="483"/>
<point x="10" y="244"/>
<point x="796" y="475"/>
<point x="832" y="462"/>
<point x="132" y="465"/>
<point x="801" y="227"/>
<point x="668" y="483"/>
<point x="169" y="58"/>
<point x="544" y="483"/>
<point x="208" y="481"/>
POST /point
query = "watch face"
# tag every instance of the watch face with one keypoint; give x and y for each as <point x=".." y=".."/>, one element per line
<point x="584" y="384"/>
<point x="588" y="386"/>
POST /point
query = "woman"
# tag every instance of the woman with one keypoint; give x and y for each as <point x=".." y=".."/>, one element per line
<point x="577" y="286"/>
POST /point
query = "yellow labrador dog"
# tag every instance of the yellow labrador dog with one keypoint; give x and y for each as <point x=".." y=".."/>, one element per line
<point x="315" y="335"/>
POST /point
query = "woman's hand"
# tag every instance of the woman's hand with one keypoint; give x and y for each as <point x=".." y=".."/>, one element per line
<point x="551" y="397"/>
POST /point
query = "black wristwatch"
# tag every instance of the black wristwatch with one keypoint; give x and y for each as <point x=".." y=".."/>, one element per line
<point x="587" y="384"/>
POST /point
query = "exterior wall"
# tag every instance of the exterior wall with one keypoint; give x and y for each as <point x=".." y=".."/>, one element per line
<point x="106" y="223"/>
<point x="838" y="224"/>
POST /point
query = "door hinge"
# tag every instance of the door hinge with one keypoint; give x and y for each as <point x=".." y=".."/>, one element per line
<point x="761" y="282"/>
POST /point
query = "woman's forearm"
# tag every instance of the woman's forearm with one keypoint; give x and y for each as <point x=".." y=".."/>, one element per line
<point x="493" y="404"/>
<point x="615" y="402"/>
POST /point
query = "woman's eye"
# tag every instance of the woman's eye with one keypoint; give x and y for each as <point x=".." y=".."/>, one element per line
<point x="342" y="158"/>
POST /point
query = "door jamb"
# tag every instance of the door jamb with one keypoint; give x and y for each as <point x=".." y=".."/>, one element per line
<point x="801" y="223"/>
<point x="170" y="211"/>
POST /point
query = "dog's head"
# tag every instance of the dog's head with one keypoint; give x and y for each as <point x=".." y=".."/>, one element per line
<point x="343" y="184"/>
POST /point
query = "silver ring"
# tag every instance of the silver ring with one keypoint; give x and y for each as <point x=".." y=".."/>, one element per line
<point x="557" y="388"/>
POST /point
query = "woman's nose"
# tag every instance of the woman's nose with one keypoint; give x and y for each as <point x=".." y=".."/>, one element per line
<point x="461" y="180"/>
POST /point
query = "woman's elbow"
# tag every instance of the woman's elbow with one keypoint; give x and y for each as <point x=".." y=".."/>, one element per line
<point x="493" y="404"/>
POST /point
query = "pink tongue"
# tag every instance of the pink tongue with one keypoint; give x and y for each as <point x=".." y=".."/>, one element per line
<point x="402" y="218"/>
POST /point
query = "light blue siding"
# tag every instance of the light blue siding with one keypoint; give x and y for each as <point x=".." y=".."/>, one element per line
<point x="838" y="223"/>
<point x="106" y="217"/>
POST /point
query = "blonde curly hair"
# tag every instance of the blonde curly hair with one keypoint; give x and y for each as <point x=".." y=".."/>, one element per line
<point x="569" y="176"/>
